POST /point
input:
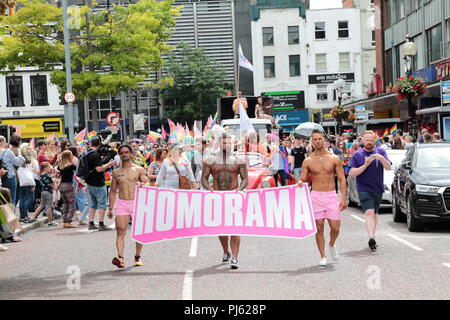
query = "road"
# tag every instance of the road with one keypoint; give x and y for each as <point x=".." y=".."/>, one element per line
<point x="407" y="266"/>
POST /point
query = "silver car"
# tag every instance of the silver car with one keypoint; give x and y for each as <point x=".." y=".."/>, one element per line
<point x="396" y="157"/>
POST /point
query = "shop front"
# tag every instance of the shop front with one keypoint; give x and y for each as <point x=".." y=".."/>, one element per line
<point x="289" y="120"/>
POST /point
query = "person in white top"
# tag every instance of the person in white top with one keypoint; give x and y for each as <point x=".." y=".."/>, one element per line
<point x="169" y="176"/>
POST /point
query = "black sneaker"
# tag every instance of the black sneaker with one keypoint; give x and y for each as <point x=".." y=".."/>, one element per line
<point x="226" y="258"/>
<point x="92" y="227"/>
<point x="373" y="244"/>
<point x="104" y="228"/>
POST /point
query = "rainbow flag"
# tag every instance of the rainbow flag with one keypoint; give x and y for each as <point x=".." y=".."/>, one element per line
<point x="80" y="136"/>
<point x="164" y="134"/>
<point x="386" y="133"/>
<point x="91" y="134"/>
<point x="82" y="143"/>
<point x="172" y="126"/>
<point x="180" y="132"/>
<point x="377" y="141"/>
<point x="32" y="143"/>
<point x="153" y="136"/>
<point x="51" y="137"/>
<point x="214" y="121"/>
<point x="394" y="130"/>
<point x="208" y="126"/>
<point x="197" y="132"/>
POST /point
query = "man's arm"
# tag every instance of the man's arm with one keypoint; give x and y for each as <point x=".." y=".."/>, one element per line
<point x="385" y="162"/>
<point x="112" y="194"/>
<point x="342" y="183"/>
<point x="305" y="173"/>
<point x="143" y="177"/>
<point x="355" y="172"/>
<point x="206" y="172"/>
<point x="244" y="176"/>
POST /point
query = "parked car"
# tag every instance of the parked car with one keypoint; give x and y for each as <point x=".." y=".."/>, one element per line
<point x="396" y="157"/>
<point x="421" y="186"/>
<point x="258" y="175"/>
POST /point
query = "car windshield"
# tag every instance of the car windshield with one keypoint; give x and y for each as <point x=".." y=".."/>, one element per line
<point x="261" y="129"/>
<point x="434" y="158"/>
<point x="253" y="160"/>
<point x="396" y="158"/>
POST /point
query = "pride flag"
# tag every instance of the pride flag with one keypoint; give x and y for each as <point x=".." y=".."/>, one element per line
<point x="32" y="143"/>
<point x="214" y="121"/>
<point x="51" y="137"/>
<point x="180" y="133"/>
<point x="208" y="126"/>
<point x="172" y="126"/>
<point x="153" y="136"/>
<point x="377" y="141"/>
<point x="80" y="136"/>
<point x="91" y="134"/>
<point x="386" y="133"/>
<point x="394" y="130"/>
<point x="164" y="134"/>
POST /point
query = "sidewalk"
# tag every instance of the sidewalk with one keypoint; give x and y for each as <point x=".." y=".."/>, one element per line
<point x="41" y="221"/>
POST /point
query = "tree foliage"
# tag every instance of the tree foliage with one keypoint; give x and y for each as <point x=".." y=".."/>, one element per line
<point x="198" y="82"/>
<point x="121" y="48"/>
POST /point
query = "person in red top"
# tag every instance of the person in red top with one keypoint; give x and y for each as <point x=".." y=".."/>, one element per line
<point x="42" y="147"/>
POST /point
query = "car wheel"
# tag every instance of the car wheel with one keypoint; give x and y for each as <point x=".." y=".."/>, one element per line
<point x="397" y="214"/>
<point x="413" y="224"/>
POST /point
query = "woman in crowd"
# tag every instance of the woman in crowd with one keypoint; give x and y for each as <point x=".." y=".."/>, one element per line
<point x="26" y="188"/>
<point x="52" y="149"/>
<point x="66" y="168"/>
<point x="173" y="167"/>
<point x="155" y="166"/>
<point x="398" y="144"/>
<point x="344" y="156"/>
<point x="9" y="160"/>
<point x="81" y="196"/>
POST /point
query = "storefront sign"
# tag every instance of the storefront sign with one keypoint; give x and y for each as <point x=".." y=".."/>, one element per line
<point x="426" y="75"/>
<point x="326" y="115"/>
<point x="286" y="100"/>
<point x="330" y="78"/>
<point x="36" y="127"/>
<point x="443" y="70"/>
<point x="167" y="214"/>
<point x="445" y="91"/>
<point x="446" y="130"/>
<point x="360" y="113"/>
<point x="291" y="118"/>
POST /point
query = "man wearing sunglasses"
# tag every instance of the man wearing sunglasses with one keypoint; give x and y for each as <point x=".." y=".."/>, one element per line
<point x="126" y="178"/>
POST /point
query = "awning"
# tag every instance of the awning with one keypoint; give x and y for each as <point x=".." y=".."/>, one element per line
<point x="433" y="110"/>
<point x="377" y="121"/>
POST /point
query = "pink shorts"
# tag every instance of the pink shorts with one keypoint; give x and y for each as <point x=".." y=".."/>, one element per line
<point x="325" y="205"/>
<point x="124" y="207"/>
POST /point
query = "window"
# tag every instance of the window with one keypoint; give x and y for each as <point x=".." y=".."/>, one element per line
<point x="322" y="93"/>
<point x="14" y="88"/>
<point x="343" y="29"/>
<point x="294" y="66"/>
<point x="293" y="35"/>
<point x="321" y="62"/>
<point x="344" y="61"/>
<point x="39" y="91"/>
<point x="269" y="67"/>
<point x="347" y="89"/>
<point x="268" y="36"/>
<point x="434" y="40"/>
<point x="373" y="43"/>
<point x="320" y="30"/>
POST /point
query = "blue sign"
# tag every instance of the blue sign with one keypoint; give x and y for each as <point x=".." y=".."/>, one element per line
<point x="446" y="130"/>
<point x="291" y="118"/>
<point x="426" y="75"/>
<point x="445" y="92"/>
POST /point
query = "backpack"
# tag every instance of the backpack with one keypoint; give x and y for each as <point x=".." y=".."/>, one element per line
<point x="83" y="167"/>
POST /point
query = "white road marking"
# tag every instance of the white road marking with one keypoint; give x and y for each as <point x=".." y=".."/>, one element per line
<point x="409" y="244"/>
<point x="86" y="231"/>
<point x="358" y="218"/>
<point x="447" y="265"/>
<point x="194" y="245"/>
<point x="187" y="285"/>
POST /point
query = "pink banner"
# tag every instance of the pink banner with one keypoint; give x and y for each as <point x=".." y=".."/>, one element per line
<point x="167" y="214"/>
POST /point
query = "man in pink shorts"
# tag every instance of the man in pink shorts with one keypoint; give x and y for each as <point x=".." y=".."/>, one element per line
<point x="125" y="178"/>
<point x="323" y="166"/>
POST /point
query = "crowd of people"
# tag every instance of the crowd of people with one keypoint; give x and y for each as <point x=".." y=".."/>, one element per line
<point x="80" y="182"/>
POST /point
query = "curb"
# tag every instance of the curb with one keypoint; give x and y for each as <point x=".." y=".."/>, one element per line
<point x="27" y="227"/>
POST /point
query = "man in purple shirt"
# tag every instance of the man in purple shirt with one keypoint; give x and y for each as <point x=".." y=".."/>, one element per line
<point x="368" y="165"/>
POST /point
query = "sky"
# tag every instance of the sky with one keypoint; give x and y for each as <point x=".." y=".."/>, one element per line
<point x="321" y="4"/>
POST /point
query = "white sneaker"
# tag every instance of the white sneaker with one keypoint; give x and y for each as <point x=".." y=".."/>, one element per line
<point x="3" y="248"/>
<point x="323" y="262"/>
<point x="333" y="252"/>
<point x="234" y="263"/>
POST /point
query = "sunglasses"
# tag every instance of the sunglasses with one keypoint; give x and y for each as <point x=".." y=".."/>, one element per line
<point x="124" y="152"/>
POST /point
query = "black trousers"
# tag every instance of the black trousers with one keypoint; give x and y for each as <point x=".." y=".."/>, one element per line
<point x="282" y="177"/>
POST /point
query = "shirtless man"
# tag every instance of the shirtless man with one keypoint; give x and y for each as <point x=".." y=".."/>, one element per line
<point x="323" y="165"/>
<point x="225" y="168"/>
<point x="125" y="178"/>
<point x="240" y="99"/>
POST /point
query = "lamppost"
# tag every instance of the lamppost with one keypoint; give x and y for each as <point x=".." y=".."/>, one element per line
<point x="410" y="50"/>
<point x="339" y="86"/>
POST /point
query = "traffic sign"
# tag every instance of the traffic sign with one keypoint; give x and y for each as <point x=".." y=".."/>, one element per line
<point x="113" y="119"/>
<point x="69" y="97"/>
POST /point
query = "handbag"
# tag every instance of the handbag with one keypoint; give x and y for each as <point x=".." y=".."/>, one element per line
<point x="8" y="219"/>
<point x="185" y="184"/>
<point x="26" y="178"/>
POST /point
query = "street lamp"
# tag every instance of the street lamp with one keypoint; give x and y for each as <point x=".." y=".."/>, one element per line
<point x="410" y="50"/>
<point x="339" y="86"/>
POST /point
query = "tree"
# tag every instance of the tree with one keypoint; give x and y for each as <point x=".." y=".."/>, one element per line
<point x="198" y="82"/>
<point x="113" y="50"/>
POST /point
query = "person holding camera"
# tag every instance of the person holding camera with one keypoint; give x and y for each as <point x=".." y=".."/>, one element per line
<point x="96" y="185"/>
<point x="368" y="165"/>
